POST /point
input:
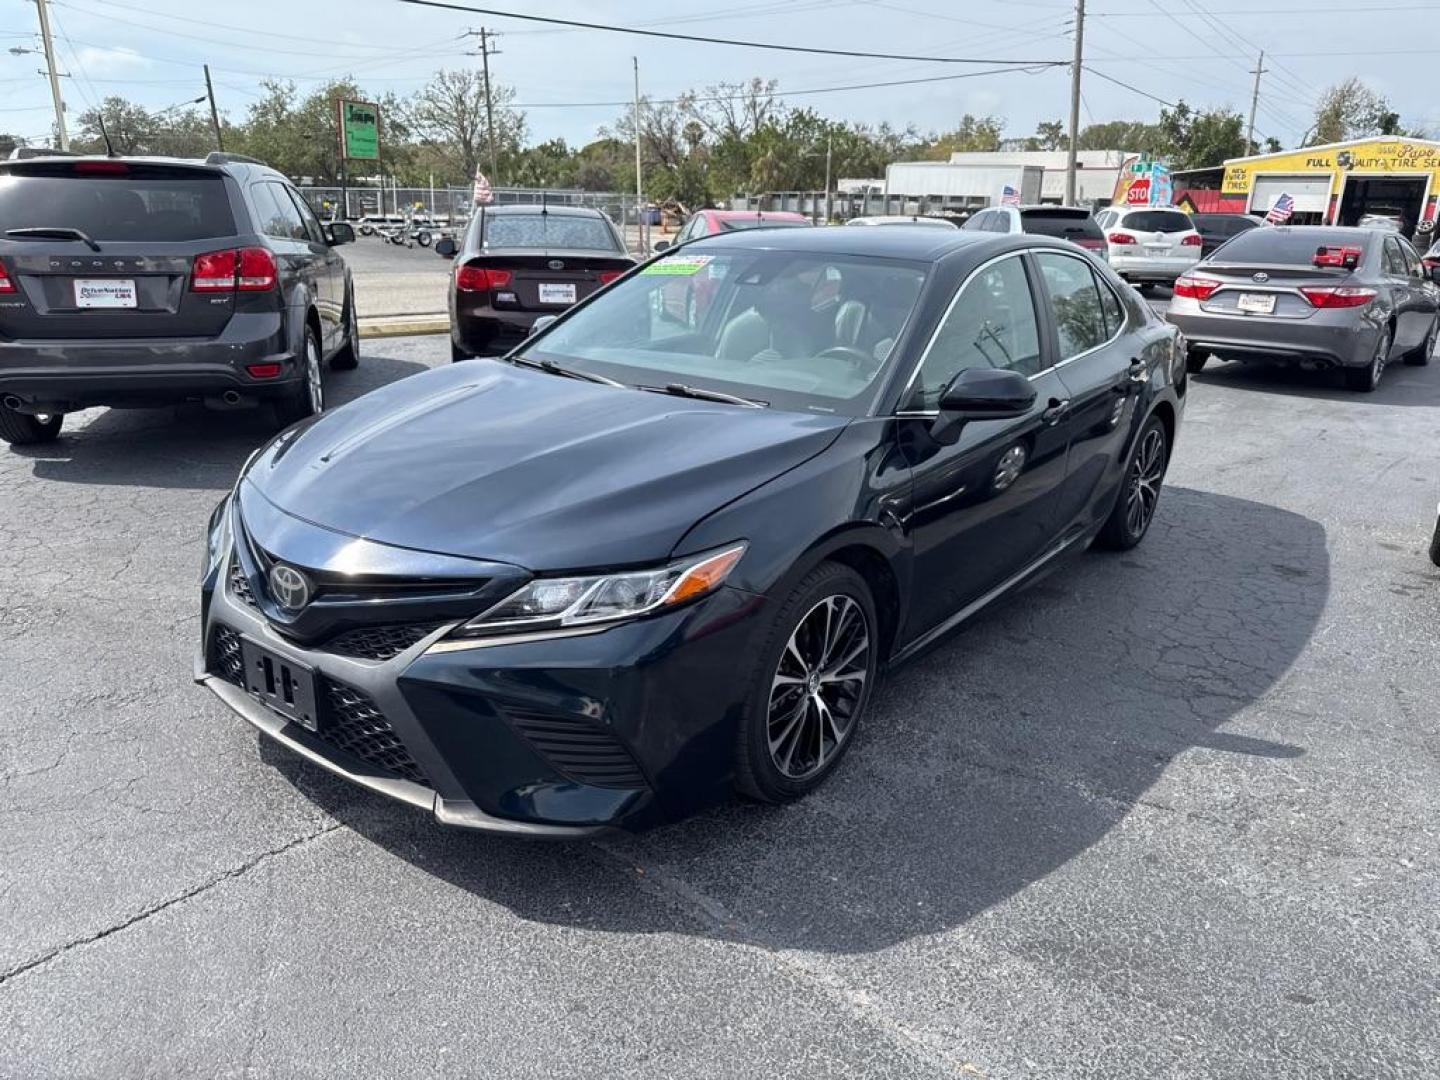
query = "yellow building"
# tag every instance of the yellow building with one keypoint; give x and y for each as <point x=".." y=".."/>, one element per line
<point x="1340" y="183"/>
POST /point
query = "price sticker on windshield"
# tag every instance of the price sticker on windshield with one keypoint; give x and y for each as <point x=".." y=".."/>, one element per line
<point x="678" y="265"/>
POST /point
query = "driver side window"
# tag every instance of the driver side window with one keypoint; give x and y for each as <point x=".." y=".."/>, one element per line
<point x="991" y="323"/>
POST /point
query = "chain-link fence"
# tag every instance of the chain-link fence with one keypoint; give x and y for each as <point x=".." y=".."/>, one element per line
<point x="456" y="203"/>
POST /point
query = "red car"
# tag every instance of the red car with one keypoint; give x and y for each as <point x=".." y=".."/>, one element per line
<point x="711" y="222"/>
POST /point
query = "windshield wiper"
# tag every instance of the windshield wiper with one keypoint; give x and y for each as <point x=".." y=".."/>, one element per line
<point x="681" y="390"/>
<point x="570" y="373"/>
<point x="52" y="232"/>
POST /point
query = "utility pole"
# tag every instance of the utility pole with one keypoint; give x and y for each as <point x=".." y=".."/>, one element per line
<point x="53" y="73"/>
<point x="1260" y="69"/>
<point x="1075" y="102"/>
<point x="214" y="114"/>
<point x="829" y="145"/>
<point x="639" y="185"/>
<point x="489" y="106"/>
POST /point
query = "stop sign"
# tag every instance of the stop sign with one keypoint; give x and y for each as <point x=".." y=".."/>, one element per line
<point x="1138" y="194"/>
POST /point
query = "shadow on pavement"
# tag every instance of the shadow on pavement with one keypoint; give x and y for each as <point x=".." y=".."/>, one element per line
<point x="1401" y="383"/>
<point x="987" y="765"/>
<point x="186" y="446"/>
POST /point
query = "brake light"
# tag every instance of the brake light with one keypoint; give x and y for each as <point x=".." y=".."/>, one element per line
<point x="1347" y="258"/>
<point x="214" y="272"/>
<point x="1338" y="296"/>
<point x="1196" y="288"/>
<point x="263" y="371"/>
<point x="1429" y="264"/>
<point x="1193" y="240"/>
<point x="607" y="276"/>
<point x="257" y="270"/>
<point x="246" y="269"/>
<point x="1120" y="238"/>
<point x="6" y="285"/>
<point x="480" y="278"/>
<point x="101" y="168"/>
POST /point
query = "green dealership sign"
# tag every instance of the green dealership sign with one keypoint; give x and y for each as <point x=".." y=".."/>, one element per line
<point x="359" y="130"/>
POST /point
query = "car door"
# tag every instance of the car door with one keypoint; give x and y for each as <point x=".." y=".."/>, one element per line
<point x="1423" y="296"/>
<point x="1396" y="283"/>
<point x="1103" y="377"/>
<point x="330" y="276"/>
<point x="983" y="508"/>
<point x="300" y="266"/>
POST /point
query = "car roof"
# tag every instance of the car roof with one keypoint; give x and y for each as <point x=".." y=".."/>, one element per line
<point x="230" y="164"/>
<point x="921" y="244"/>
<point x="559" y="209"/>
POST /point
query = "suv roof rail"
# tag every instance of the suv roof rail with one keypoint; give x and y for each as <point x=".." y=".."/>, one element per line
<point x="24" y="153"/>
<point x="220" y="157"/>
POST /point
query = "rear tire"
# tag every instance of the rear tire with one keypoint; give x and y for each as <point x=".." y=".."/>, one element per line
<point x="23" y="429"/>
<point x="1435" y="545"/>
<point x="1364" y="380"/>
<point x="1195" y="361"/>
<point x="457" y="353"/>
<point x="347" y="357"/>
<point x="1135" y="503"/>
<point x="816" y="673"/>
<point x="423" y="239"/>
<point x="1421" y="356"/>
<point x="307" y="398"/>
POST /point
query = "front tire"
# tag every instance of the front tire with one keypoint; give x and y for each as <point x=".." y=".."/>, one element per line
<point x="1435" y="545"/>
<point x="817" y="671"/>
<point x="1134" y="508"/>
<point x="347" y="357"/>
<point x="24" y="429"/>
<point x="307" y="398"/>
<point x="1195" y="361"/>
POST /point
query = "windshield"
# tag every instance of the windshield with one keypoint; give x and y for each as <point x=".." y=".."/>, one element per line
<point x="795" y="330"/>
<point x="548" y="231"/>
<point x="737" y="224"/>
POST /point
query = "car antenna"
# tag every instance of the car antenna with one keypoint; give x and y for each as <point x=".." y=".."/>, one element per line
<point x="109" y="149"/>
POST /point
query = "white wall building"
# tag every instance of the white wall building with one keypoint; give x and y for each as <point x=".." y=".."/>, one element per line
<point x="970" y="180"/>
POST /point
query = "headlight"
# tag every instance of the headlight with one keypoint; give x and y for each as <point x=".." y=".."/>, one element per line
<point x="558" y="603"/>
<point x="217" y="535"/>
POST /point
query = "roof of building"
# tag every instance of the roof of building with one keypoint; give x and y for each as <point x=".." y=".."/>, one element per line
<point x="1431" y="143"/>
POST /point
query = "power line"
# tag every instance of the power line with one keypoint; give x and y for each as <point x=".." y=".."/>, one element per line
<point x="669" y="36"/>
<point x="1127" y="86"/>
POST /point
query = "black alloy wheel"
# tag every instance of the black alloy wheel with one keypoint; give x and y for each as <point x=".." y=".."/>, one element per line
<point x="1140" y="491"/>
<point x="1366" y="379"/>
<point x="1421" y="356"/>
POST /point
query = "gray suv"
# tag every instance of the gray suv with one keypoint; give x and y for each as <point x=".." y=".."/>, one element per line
<point x="145" y="281"/>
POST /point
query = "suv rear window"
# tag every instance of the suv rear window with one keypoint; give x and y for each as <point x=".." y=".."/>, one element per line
<point x="1281" y="247"/>
<point x="548" y="231"/>
<point x="142" y="204"/>
<point x="1062" y="224"/>
<point x="1156" y="221"/>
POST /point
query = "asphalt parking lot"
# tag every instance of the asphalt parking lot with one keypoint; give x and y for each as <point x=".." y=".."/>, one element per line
<point x="1169" y="814"/>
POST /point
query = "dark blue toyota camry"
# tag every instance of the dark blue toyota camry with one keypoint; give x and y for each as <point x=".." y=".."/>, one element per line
<point x="661" y="552"/>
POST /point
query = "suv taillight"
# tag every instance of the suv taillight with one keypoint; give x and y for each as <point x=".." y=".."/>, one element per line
<point x="1193" y="240"/>
<point x="245" y="269"/>
<point x="1120" y="238"/>
<point x="6" y="285"/>
<point x="479" y="278"/>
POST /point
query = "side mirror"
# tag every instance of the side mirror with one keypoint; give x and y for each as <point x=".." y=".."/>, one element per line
<point x="661" y="245"/>
<point x="542" y="322"/>
<point x="446" y="247"/>
<point x="339" y="232"/>
<point x="981" y="394"/>
<point x="1433" y="273"/>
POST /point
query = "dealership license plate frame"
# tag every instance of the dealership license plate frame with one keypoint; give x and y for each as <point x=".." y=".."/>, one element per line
<point x="283" y="686"/>
<point x="1256" y="303"/>
<point x="554" y="292"/>
<point x="114" y="294"/>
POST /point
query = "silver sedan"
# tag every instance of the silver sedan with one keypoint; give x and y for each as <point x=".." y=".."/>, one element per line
<point x="1353" y="299"/>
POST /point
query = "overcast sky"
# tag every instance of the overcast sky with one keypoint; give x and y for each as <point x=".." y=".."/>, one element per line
<point x="150" y="51"/>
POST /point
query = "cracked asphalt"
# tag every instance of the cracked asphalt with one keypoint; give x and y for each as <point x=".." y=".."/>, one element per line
<point x="1171" y="814"/>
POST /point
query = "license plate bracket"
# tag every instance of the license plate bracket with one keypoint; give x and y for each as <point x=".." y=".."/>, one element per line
<point x="552" y="292"/>
<point x="105" y="293"/>
<point x="282" y="685"/>
<point x="1257" y="303"/>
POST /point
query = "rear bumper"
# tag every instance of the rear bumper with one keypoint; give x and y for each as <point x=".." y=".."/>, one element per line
<point x="1150" y="268"/>
<point x="1286" y="341"/>
<point x="66" y="375"/>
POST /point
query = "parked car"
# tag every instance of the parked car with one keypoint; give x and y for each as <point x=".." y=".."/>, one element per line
<point x="1435" y="542"/>
<point x="516" y="264"/>
<point x="1150" y="246"/>
<point x="144" y="281"/>
<point x="1073" y="223"/>
<point x="902" y="219"/>
<point x="639" y="564"/>
<point x="1329" y="297"/>
<point x="1215" y="229"/>
<point x="716" y="222"/>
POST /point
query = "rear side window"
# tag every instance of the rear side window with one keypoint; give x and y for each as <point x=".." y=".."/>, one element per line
<point x="548" y="231"/>
<point x="1393" y="261"/>
<point x="140" y="204"/>
<point x="1165" y="221"/>
<point x="1282" y="247"/>
<point x="1063" y="226"/>
<point x="1076" y="300"/>
<point x="275" y="214"/>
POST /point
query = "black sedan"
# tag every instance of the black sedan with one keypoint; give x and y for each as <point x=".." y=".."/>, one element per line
<point x="517" y="264"/>
<point x="663" y="551"/>
<point x="1215" y="229"/>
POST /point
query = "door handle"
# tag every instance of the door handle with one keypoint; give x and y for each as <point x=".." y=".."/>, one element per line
<point x="1056" y="411"/>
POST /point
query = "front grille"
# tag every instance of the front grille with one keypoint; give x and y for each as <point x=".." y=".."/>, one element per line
<point x="240" y="584"/>
<point x="578" y="748"/>
<point x="225" y="658"/>
<point x="379" y="642"/>
<point x="356" y="725"/>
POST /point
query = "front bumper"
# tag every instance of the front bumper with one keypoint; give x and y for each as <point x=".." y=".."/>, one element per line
<point x="626" y="727"/>
<point x="67" y="375"/>
<point x="1341" y="340"/>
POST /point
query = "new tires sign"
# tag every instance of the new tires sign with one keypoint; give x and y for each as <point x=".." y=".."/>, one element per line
<point x="359" y="130"/>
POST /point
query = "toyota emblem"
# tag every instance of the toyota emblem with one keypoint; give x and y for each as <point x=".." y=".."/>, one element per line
<point x="1260" y="276"/>
<point x="289" y="587"/>
<point x="556" y="264"/>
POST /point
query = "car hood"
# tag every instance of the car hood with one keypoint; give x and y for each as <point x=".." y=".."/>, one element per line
<point x="485" y="460"/>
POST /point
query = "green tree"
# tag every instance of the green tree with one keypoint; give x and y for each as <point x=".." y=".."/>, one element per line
<point x="1351" y="110"/>
<point x="1124" y="135"/>
<point x="450" y="112"/>
<point x="133" y="129"/>
<point x="1195" y="140"/>
<point x="973" y="133"/>
<point x="1050" y="135"/>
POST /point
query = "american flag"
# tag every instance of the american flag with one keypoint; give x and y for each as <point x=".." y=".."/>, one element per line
<point x="482" y="193"/>
<point x="1281" y="211"/>
<point x="1009" y="196"/>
